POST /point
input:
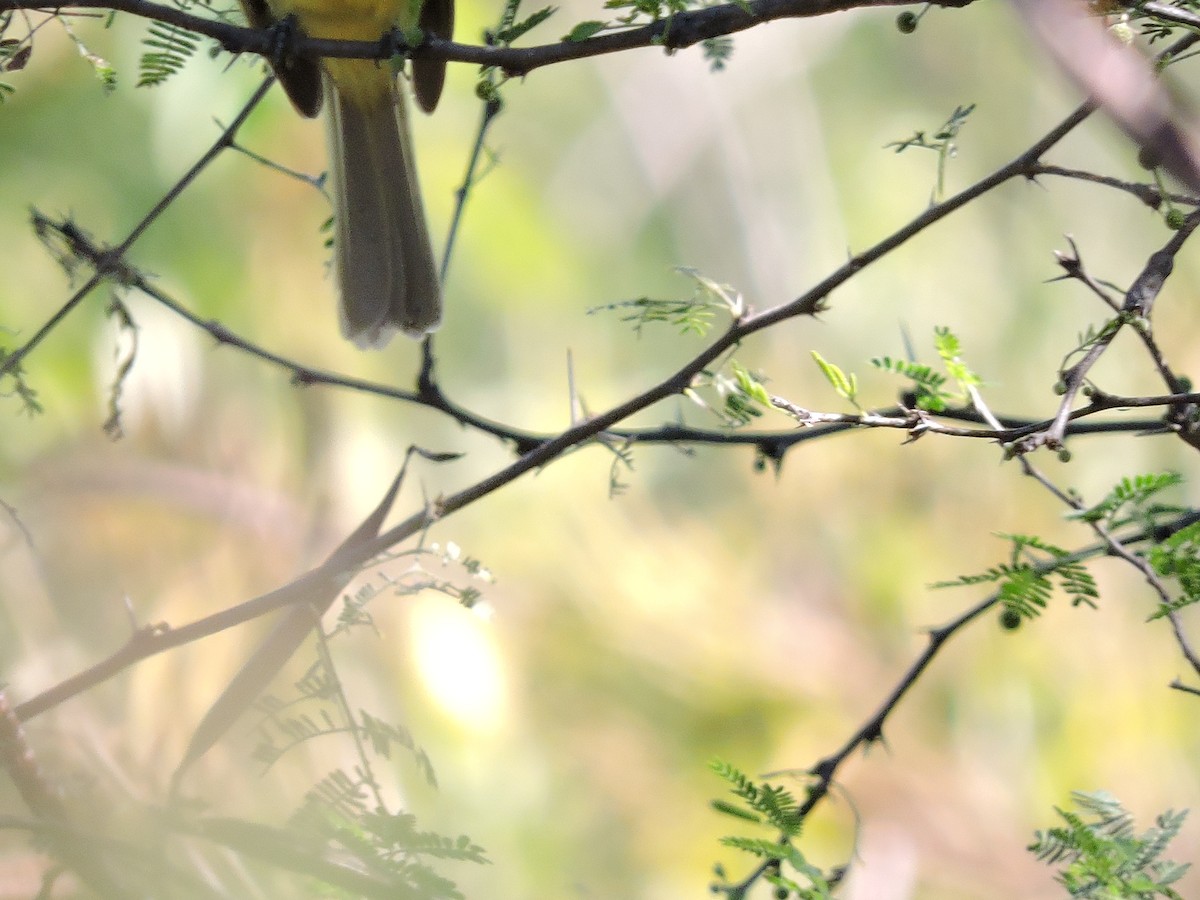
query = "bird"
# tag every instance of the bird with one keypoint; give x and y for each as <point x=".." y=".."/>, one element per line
<point x="383" y="258"/>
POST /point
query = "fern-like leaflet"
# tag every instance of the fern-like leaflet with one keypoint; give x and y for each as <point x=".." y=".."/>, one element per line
<point x="1102" y="856"/>
<point x="1026" y="582"/>
<point x="1127" y="501"/>
<point x="782" y="863"/>
<point x="1178" y="557"/>
<point x="168" y="50"/>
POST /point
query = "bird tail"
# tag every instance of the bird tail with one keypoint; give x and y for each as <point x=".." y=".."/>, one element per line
<point x="385" y="266"/>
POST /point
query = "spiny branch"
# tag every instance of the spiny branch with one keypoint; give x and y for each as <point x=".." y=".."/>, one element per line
<point x="677" y="32"/>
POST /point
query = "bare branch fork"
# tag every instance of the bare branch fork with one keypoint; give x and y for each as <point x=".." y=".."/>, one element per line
<point x="1134" y="310"/>
<point x="111" y="263"/>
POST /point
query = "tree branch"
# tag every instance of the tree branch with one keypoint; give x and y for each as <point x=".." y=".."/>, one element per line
<point x="675" y="33"/>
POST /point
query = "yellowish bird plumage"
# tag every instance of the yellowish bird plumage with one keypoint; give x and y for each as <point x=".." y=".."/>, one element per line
<point x="386" y="273"/>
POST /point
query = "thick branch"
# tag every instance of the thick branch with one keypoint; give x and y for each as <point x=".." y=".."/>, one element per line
<point x="681" y="30"/>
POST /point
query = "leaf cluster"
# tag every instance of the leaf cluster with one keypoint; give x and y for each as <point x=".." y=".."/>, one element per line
<point x="931" y="389"/>
<point x="391" y="847"/>
<point x="846" y="385"/>
<point x="168" y="49"/>
<point x="633" y="13"/>
<point x="1134" y="501"/>
<point x="346" y="807"/>
<point x="511" y="30"/>
<point x="782" y="862"/>
<point x="1103" y="858"/>
<point x="763" y="804"/>
<point x="1128" y="502"/>
<point x="691" y="315"/>
<point x="741" y="395"/>
<point x="1027" y="580"/>
<point x="286" y="725"/>
<point x="1178" y="557"/>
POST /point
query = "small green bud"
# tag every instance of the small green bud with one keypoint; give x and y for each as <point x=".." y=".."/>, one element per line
<point x="1175" y="218"/>
<point x="1010" y="619"/>
<point x="1064" y="455"/>
<point x="1184" y="383"/>
<point x="1060" y="387"/>
<point x="907" y="22"/>
<point x="781" y="893"/>
<point x="1148" y="158"/>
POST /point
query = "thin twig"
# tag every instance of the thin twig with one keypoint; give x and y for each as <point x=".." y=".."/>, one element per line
<point x="110" y="264"/>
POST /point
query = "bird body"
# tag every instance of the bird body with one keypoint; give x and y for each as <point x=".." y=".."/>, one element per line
<point x="384" y="263"/>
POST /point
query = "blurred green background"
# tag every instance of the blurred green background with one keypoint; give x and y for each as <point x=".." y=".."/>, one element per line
<point x="710" y="610"/>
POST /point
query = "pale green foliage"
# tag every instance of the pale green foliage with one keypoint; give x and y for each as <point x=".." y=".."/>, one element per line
<point x="1178" y="557"/>
<point x="763" y="803"/>
<point x="845" y="385"/>
<point x="689" y="315"/>
<point x="632" y="13"/>
<point x="15" y="52"/>
<point x="930" y="387"/>
<point x="585" y="30"/>
<point x="739" y="395"/>
<point x="168" y="48"/>
<point x="717" y="51"/>
<point x="941" y="141"/>
<point x="347" y="806"/>
<point x="637" y="12"/>
<point x="389" y="843"/>
<point x="747" y="398"/>
<point x="1101" y="856"/>
<point x="775" y="808"/>
<point x="927" y="383"/>
<point x="1027" y="580"/>
<point x="101" y="67"/>
<point x="1128" y="503"/>
<point x="1089" y="337"/>
<point x="692" y="315"/>
<point x="949" y="349"/>
<point x="740" y="392"/>
<point x="514" y="30"/>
